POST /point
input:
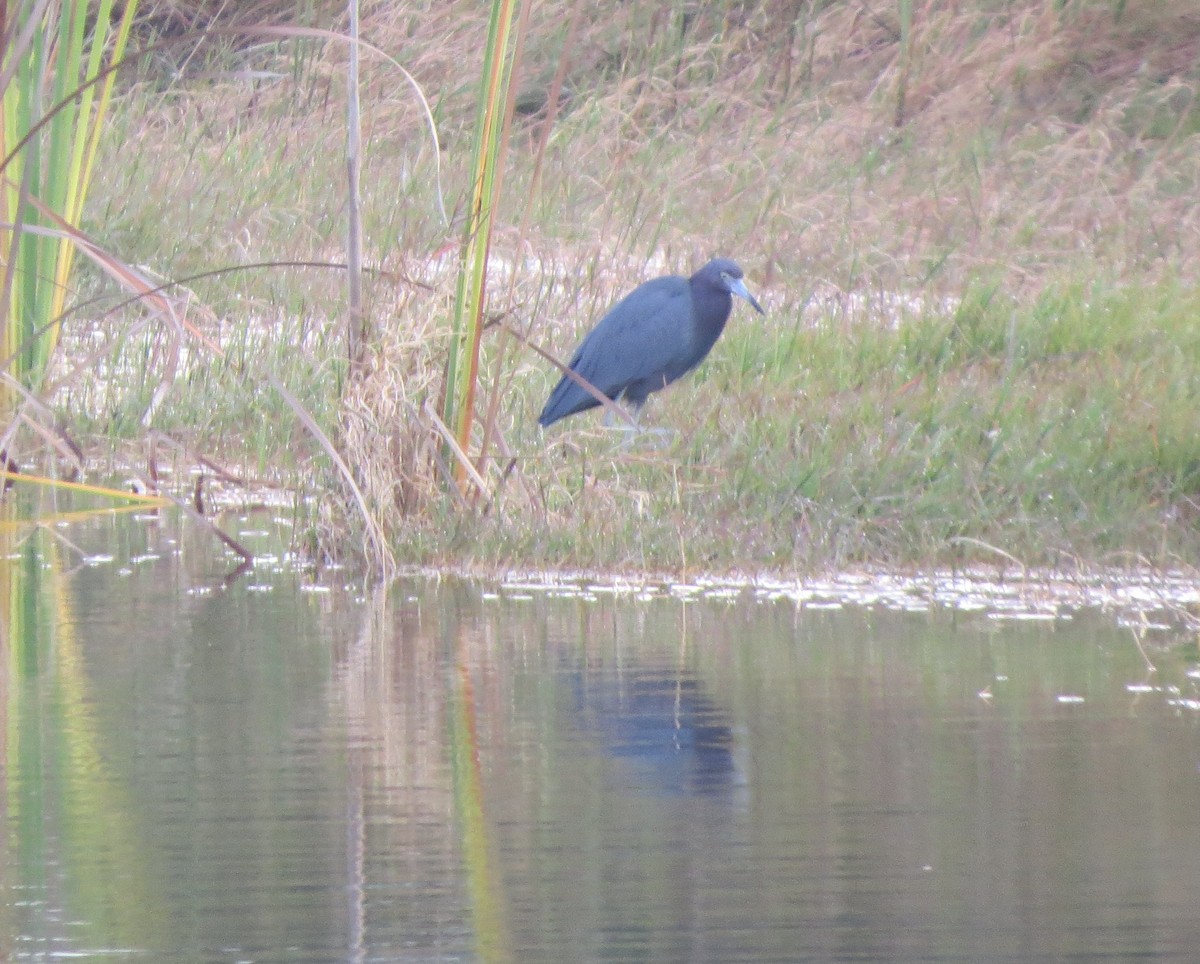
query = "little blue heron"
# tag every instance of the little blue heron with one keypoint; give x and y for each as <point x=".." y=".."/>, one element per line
<point x="657" y="333"/>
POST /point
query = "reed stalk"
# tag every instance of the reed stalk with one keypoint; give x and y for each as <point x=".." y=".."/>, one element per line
<point x="494" y="112"/>
<point x="55" y="90"/>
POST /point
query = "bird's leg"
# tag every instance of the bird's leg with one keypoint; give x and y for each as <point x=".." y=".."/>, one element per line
<point x="612" y="420"/>
<point x="628" y="429"/>
<point x="662" y="436"/>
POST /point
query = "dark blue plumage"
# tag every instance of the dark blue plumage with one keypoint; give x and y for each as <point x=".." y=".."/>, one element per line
<point x="657" y="333"/>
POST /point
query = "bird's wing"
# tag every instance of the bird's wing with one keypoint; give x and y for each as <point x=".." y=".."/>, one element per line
<point x="642" y="335"/>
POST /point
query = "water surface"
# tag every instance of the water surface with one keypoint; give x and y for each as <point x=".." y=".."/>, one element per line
<point x="287" y="769"/>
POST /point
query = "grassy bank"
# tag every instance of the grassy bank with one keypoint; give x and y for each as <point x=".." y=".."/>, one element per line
<point x="977" y="242"/>
<point x="1059" y="432"/>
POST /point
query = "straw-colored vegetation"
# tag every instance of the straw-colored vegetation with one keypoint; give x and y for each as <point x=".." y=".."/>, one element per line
<point x="977" y="239"/>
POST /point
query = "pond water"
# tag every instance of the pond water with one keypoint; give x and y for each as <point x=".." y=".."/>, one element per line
<point x="277" y="770"/>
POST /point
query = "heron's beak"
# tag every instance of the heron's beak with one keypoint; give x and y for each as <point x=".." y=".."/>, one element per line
<point x="738" y="287"/>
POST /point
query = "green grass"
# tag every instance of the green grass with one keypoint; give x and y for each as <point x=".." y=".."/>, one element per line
<point x="1057" y="432"/>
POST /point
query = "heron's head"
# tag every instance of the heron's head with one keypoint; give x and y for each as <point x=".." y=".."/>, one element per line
<point x="727" y="276"/>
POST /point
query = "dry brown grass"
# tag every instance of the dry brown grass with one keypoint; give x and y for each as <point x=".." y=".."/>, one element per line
<point x="1032" y="140"/>
<point x="385" y="415"/>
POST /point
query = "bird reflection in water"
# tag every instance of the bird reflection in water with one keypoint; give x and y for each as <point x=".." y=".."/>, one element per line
<point x="667" y="734"/>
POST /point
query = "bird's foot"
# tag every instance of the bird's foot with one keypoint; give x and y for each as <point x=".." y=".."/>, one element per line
<point x="660" y="437"/>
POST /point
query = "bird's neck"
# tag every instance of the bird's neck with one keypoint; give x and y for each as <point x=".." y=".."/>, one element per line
<point x="708" y="329"/>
